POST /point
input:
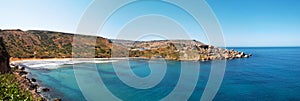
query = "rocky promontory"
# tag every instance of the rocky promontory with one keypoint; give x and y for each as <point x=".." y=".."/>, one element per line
<point x="178" y="50"/>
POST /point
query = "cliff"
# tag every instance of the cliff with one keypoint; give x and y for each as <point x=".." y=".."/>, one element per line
<point x="4" y="58"/>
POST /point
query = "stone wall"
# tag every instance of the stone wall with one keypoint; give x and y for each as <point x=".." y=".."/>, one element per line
<point x="4" y="58"/>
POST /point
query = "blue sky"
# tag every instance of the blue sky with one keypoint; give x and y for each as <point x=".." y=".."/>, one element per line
<point x="244" y="22"/>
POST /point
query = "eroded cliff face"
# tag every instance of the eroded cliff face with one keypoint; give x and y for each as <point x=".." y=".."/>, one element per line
<point x="4" y="58"/>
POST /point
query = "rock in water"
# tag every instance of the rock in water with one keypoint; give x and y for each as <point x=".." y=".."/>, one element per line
<point x="57" y="99"/>
<point x="33" y="87"/>
<point x="4" y="58"/>
<point x="33" y="80"/>
<point x="21" y="67"/>
<point x="45" y="89"/>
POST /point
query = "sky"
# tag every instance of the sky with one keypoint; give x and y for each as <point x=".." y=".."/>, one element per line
<point x="244" y="22"/>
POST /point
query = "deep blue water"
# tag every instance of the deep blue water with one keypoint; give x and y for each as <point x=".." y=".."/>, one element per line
<point x="270" y="74"/>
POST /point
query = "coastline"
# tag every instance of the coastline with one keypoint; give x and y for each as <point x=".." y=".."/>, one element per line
<point x="37" y="59"/>
<point x="30" y="84"/>
<point x="69" y="59"/>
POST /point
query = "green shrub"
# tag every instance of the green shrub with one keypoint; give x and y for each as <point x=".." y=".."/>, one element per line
<point x="10" y="91"/>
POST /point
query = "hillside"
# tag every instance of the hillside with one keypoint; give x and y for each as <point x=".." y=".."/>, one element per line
<point x="46" y="44"/>
<point x="49" y="44"/>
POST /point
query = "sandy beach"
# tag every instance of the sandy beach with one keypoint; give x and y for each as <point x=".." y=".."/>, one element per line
<point x="38" y="59"/>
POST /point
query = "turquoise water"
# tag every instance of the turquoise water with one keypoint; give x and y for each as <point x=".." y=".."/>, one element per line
<point x="270" y="74"/>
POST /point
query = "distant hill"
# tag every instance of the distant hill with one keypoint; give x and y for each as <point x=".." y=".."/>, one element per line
<point x="49" y="44"/>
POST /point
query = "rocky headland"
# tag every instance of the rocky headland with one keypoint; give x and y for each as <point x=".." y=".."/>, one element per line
<point x="178" y="50"/>
<point x="49" y="44"/>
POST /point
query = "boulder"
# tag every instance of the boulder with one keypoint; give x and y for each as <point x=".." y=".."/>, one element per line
<point x="21" y="67"/>
<point x="238" y="56"/>
<point x="45" y="89"/>
<point x="33" y="87"/>
<point x="23" y="76"/>
<point x="33" y="80"/>
<point x="23" y="73"/>
<point x="13" y="65"/>
<point x="57" y="99"/>
<point x="242" y="53"/>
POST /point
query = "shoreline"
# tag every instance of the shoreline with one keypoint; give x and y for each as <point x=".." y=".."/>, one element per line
<point x="28" y="84"/>
<point x="12" y="60"/>
<point x="68" y="59"/>
<point x="236" y="56"/>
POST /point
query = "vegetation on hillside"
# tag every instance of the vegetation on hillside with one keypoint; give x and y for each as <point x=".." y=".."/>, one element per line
<point x="48" y="44"/>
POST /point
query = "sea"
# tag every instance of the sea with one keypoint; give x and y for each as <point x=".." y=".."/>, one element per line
<point x="271" y="74"/>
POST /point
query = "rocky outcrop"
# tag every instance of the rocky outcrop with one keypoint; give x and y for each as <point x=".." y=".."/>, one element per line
<point x="4" y="58"/>
<point x="28" y="84"/>
<point x="182" y="50"/>
<point x="45" y="89"/>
